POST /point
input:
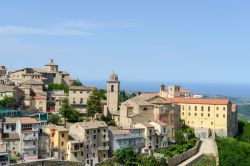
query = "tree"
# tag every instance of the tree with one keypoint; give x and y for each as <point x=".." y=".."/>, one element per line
<point x="73" y="116"/>
<point x="123" y="96"/>
<point x="65" y="110"/>
<point x="126" y="156"/>
<point x="246" y="132"/>
<point x="76" y="83"/>
<point x="8" y="102"/>
<point x="94" y="103"/>
<point x="53" y="86"/>
<point x="54" y="119"/>
<point x="149" y="161"/>
<point x="102" y="93"/>
<point x="179" y="137"/>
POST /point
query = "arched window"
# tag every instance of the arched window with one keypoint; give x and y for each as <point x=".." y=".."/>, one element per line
<point x="112" y="88"/>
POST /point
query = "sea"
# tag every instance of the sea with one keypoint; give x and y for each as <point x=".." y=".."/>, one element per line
<point x="231" y="90"/>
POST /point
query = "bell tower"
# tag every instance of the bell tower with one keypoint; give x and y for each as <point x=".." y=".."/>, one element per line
<point x="113" y="89"/>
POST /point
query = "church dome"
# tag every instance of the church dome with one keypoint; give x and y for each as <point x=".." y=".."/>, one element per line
<point x="113" y="77"/>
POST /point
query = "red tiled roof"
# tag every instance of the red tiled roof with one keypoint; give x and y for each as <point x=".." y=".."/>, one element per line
<point x="199" y="101"/>
<point x="27" y="120"/>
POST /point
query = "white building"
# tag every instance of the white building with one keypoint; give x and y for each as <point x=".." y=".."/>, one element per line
<point x="27" y="130"/>
<point x="126" y="138"/>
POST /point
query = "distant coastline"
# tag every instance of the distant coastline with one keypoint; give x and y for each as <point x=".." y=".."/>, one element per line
<point x="232" y="90"/>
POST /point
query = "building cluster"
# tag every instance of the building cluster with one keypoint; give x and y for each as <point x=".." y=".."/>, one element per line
<point x="30" y="86"/>
<point x="146" y="122"/>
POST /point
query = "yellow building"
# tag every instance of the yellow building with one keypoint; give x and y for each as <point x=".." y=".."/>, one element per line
<point x="208" y="116"/>
<point x="78" y="96"/>
<point x="58" y="140"/>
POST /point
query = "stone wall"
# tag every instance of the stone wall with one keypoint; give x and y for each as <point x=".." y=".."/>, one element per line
<point x="184" y="156"/>
<point x="49" y="163"/>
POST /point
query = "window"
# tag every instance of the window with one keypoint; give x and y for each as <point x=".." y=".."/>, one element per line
<point x="87" y="132"/>
<point x="208" y="108"/>
<point x="201" y="114"/>
<point x="164" y="130"/>
<point x="217" y="108"/>
<point x="224" y="116"/>
<point x="63" y="135"/>
<point x="195" y="114"/>
<point x="183" y="107"/>
<point x="104" y="130"/>
<point x="94" y="145"/>
<point x="202" y="108"/>
<point x="212" y="123"/>
<point x="94" y="131"/>
<point x="34" y="152"/>
<point x="188" y="122"/>
<point x="98" y="130"/>
<point x="217" y="115"/>
<point x="182" y="113"/>
<point x="189" y="108"/>
<point x="87" y="161"/>
<point x="87" y="156"/>
<point x="94" y="136"/>
<point x="150" y="131"/>
<point x="112" y="88"/>
<point x="81" y="91"/>
<point x="81" y="145"/>
<point x="224" y="108"/>
<point x="74" y="91"/>
<point x="74" y="100"/>
<point x="150" y="138"/>
<point x="93" y="154"/>
<point x="75" y="154"/>
<point x="189" y="114"/>
<point x="104" y="136"/>
<point x="62" y="143"/>
<point x="195" y="108"/>
<point x="34" y="134"/>
<point x="82" y="154"/>
<point x="34" y="143"/>
<point x="104" y="155"/>
<point x="7" y="127"/>
<point x="208" y="115"/>
<point x="81" y="100"/>
<point x="87" y="146"/>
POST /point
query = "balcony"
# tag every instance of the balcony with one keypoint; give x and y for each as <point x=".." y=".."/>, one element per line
<point x="103" y="148"/>
<point x="29" y="138"/>
<point x="29" y="147"/>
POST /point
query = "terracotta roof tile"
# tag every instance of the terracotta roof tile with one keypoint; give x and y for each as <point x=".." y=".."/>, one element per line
<point x="199" y="101"/>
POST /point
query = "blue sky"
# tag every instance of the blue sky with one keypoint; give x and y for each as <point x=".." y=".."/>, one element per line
<point x="166" y="41"/>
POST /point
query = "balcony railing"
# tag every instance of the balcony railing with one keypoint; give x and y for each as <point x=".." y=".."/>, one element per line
<point x="30" y="137"/>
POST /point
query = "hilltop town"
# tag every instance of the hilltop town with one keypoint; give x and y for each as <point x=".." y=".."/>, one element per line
<point x="47" y="115"/>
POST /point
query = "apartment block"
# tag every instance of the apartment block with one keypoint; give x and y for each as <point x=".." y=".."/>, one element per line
<point x="96" y="140"/>
<point x="58" y="136"/>
<point x="78" y="96"/>
<point x="27" y="130"/>
<point x="126" y="138"/>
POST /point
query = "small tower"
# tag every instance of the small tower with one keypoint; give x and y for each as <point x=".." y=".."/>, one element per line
<point x="51" y="67"/>
<point x="113" y="89"/>
<point x="174" y="91"/>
